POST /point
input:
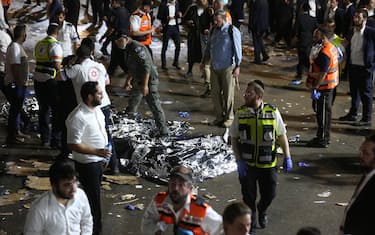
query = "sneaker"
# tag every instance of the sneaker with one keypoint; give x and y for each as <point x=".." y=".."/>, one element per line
<point x="362" y="123"/>
<point x="295" y="82"/>
<point x="348" y="117"/>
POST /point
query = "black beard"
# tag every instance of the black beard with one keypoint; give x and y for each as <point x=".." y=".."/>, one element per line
<point x="61" y="195"/>
<point x="95" y="103"/>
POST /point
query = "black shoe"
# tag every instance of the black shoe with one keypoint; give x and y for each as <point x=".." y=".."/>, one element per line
<point x="265" y="58"/>
<point x="257" y="62"/>
<point x="206" y="94"/>
<point x="318" y="143"/>
<point x="252" y="232"/>
<point x="362" y="123"/>
<point x="348" y="117"/>
<point x="176" y="66"/>
<point x="163" y="67"/>
<point x="262" y="218"/>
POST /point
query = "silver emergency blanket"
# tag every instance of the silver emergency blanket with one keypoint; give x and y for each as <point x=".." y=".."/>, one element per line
<point x="153" y="157"/>
<point x="144" y="154"/>
<point x="29" y="113"/>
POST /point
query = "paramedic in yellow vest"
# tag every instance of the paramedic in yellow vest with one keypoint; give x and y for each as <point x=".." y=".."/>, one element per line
<point x="177" y="211"/>
<point x="140" y="25"/>
<point x="255" y="129"/>
<point x="322" y="78"/>
<point x="48" y="55"/>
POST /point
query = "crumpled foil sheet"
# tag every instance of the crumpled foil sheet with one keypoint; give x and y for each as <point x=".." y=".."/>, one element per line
<point x="145" y="154"/>
<point x="153" y="157"/>
<point x="29" y="115"/>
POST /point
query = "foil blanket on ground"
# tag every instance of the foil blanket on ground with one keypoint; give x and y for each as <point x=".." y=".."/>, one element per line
<point x="29" y="114"/>
<point x="153" y="157"/>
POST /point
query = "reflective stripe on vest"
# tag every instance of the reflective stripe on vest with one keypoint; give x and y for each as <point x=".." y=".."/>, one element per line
<point x="190" y="220"/>
<point x="145" y="26"/>
<point x="258" y="136"/>
<point x="332" y="78"/>
<point x="44" y="63"/>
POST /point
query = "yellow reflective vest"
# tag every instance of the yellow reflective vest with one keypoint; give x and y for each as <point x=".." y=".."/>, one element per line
<point x="257" y="142"/>
<point x="44" y="63"/>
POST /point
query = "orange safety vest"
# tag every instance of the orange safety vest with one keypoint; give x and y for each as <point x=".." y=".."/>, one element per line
<point x="332" y="78"/>
<point x="189" y="220"/>
<point x="6" y="2"/>
<point x="228" y="17"/>
<point x="145" y="25"/>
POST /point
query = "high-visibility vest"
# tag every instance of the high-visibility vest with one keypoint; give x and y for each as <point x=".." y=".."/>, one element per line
<point x="189" y="220"/>
<point x="6" y="3"/>
<point x="44" y="62"/>
<point x="145" y="25"/>
<point x="257" y="142"/>
<point x="332" y="78"/>
<point x="228" y="17"/>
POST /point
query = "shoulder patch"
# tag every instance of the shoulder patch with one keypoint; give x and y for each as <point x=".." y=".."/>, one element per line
<point x="200" y="201"/>
<point x="271" y="106"/>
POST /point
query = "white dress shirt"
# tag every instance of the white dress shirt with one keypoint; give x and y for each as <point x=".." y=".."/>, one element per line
<point x="86" y="126"/>
<point x="48" y="217"/>
<point x="212" y="223"/>
<point x="13" y="56"/>
<point x="67" y="37"/>
<point x="5" y="41"/>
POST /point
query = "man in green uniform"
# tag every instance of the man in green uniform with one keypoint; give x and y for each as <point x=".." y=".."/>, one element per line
<point x="142" y="79"/>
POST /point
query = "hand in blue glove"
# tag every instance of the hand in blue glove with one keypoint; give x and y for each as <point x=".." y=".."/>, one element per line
<point x="315" y="95"/>
<point x="287" y="164"/>
<point x="241" y="168"/>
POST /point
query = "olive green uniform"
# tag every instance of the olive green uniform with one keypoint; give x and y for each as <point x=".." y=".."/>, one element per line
<point x="138" y="62"/>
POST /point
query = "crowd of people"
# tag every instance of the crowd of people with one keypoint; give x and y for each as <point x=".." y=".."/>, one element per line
<point x="335" y="39"/>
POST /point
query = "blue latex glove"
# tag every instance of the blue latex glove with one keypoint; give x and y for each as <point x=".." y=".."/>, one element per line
<point x="241" y="168"/>
<point x="181" y="231"/>
<point x="287" y="164"/>
<point x="315" y="95"/>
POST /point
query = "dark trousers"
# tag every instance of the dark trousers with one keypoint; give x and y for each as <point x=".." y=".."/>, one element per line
<point x="90" y="177"/>
<point x="113" y="162"/>
<point x="97" y="10"/>
<point x="361" y="87"/>
<point x="46" y="94"/>
<point x="266" y="179"/>
<point x="324" y="114"/>
<point x="258" y="45"/>
<point x="173" y="33"/>
<point x="16" y="97"/>
<point x="117" y="58"/>
<point x="66" y="103"/>
<point x="303" y="60"/>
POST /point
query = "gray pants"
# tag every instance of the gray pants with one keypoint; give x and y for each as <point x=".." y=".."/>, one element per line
<point x="222" y="90"/>
<point x="153" y="101"/>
